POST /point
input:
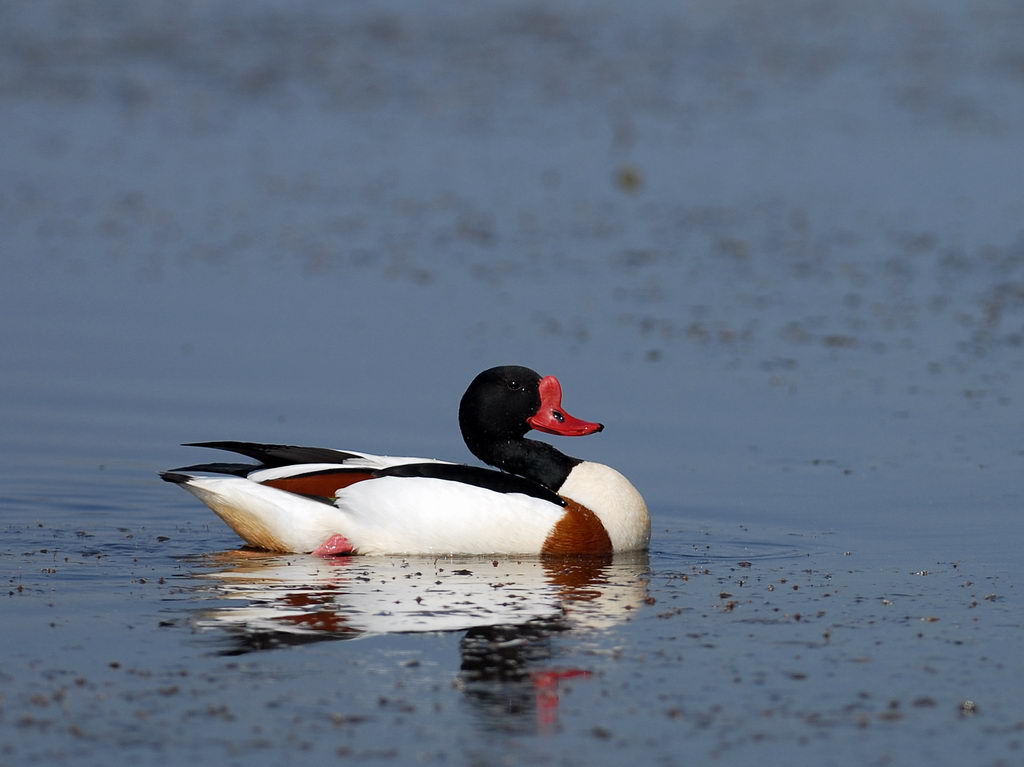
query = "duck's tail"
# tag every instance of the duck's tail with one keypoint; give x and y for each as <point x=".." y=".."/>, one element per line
<point x="264" y="517"/>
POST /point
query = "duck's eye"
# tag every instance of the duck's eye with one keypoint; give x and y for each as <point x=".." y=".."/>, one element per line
<point x="514" y="385"/>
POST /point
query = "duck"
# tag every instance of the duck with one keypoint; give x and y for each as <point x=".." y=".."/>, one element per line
<point x="535" y="501"/>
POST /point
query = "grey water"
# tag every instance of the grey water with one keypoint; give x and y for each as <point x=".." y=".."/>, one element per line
<point x="775" y="248"/>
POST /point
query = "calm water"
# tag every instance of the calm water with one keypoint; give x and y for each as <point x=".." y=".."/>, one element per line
<point x="778" y="253"/>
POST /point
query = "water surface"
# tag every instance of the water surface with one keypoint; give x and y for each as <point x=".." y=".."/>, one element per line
<point x="779" y="254"/>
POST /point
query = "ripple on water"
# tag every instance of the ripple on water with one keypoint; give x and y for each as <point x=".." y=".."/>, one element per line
<point x="702" y="542"/>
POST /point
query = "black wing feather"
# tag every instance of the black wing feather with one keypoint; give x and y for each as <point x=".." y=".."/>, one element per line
<point x="272" y="456"/>
<point x="489" y="479"/>
<point x="236" y="469"/>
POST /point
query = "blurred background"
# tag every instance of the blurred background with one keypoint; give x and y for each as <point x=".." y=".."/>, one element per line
<point x="758" y="241"/>
<point x="775" y="247"/>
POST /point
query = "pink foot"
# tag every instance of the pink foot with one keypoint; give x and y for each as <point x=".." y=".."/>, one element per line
<point x="335" y="546"/>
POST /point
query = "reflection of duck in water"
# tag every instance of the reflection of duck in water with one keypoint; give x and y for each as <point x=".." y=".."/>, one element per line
<point x="510" y="609"/>
<point x="324" y="501"/>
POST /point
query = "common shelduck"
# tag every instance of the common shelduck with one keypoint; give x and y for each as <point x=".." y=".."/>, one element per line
<point x="333" y="502"/>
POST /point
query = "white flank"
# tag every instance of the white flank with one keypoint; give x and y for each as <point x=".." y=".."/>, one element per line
<point x="419" y="515"/>
<point x="615" y="501"/>
<point x="266" y="517"/>
<point x="391" y="515"/>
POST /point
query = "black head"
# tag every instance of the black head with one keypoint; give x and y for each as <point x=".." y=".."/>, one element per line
<point x="499" y="402"/>
<point x="501" y="405"/>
